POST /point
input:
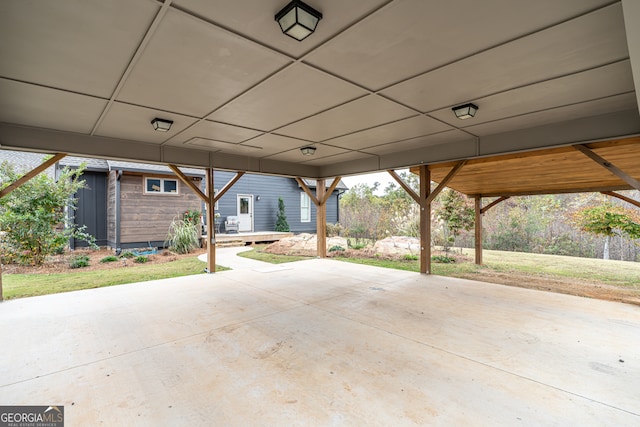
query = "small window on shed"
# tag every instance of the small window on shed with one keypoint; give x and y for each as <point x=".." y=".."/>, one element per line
<point x="160" y="186"/>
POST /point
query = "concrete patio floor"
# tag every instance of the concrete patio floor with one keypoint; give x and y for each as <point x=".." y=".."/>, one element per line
<point x="322" y="342"/>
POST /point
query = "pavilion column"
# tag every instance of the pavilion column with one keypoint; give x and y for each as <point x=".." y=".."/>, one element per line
<point x="321" y="219"/>
<point x="425" y="220"/>
<point x="211" y="237"/>
<point x="478" y="227"/>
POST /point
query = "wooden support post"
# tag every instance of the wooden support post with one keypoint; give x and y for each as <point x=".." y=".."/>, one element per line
<point x="321" y="218"/>
<point x="211" y="230"/>
<point x="478" y="225"/>
<point x="425" y="220"/>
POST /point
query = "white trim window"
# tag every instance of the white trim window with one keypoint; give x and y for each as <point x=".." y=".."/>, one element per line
<point x="305" y="207"/>
<point x="154" y="185"/>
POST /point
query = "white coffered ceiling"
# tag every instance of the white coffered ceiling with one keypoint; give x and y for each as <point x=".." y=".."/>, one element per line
<point x="371" y="89"/>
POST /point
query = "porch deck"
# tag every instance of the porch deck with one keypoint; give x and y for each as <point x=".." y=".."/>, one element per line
<point x="242" y="238"/>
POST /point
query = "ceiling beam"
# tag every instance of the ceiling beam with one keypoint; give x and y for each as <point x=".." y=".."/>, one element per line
<point x="634" y="202"/>
<point x="228" y="186"/>
<point x="609" y="166"/>
<point x="492" y="204"/>
<point x="406" y="188"/>
<point x="32" y="173"/>
<point x="188" y="182"/>
<point x="306" y="190"/>
<point x="446" y="180"/>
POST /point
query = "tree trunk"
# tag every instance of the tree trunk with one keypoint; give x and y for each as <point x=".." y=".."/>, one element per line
<point x="607" y="240"/>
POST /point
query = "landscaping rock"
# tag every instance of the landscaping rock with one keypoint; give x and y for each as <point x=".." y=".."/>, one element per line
<point x="397" y="246"/>
<point x="303" y="244"/>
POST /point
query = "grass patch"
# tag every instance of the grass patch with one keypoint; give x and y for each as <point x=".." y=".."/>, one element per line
<point x="259" y="255"/>
<point x="28" y="285"/>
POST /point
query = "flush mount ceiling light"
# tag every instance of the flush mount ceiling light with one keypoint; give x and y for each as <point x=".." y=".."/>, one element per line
<point x="161" y="125"/>
<point x="465" y="111"/>
<point x="308" y="151"/>
<point x="298" y="20"/>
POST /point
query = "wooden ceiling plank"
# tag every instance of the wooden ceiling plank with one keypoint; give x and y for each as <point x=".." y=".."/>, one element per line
<point x="609" y="166"/>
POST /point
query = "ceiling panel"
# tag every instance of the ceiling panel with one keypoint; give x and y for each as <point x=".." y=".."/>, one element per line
<point x="357" y="115"/>
<point x="421" y="142"/>
<point x="582" y="43"/>
<point x="191" y="67"/>
<point x="413" y="36"/>
<point x="339" y="158"/>
<point x="295" y="93"/>
<point x="83" y="46"/>
<point x="601" y="82"/>
<point x="255" y="19"/>
<point x="403" y="129"/>
<point x="217" y="131"/>
<point x="131" y="122"/>
<point x="597" y="107"/>
<point x="38" y="106"/>
<point x="272" y="144"/>
<point x="224" y="147"/>
<point x="296" y="156"/>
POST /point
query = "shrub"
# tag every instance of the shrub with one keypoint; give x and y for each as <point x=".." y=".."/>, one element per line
<point x="34" y="218"/>
<point x="127" y="254"/>
<point x="141" y="259"/>
<point x="192" y="216"/>
<point x="443" y="259"/>
<point x="410" y="257"/>
<point x="182" y="237"/>
<point x="109" y="258"/>
<point x="336" y="248"/>
<point x="358" y="246"/>
<point x="281" y="219"/>
<point x="334" y="229"/>
<point x="79" y="261"/>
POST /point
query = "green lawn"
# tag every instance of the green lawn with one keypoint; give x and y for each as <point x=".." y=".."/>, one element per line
<point x="28" y="285"/>
<point x="618" y="273"/>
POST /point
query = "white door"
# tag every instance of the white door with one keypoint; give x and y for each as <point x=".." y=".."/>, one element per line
<point x="245" y="212"/>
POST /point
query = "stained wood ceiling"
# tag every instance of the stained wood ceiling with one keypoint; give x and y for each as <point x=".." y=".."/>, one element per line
<point x="548" y="171"/>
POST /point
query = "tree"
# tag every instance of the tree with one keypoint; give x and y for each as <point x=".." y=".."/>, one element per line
<point x="281" y="218"/>
<point x="457" y="214"/>
<point x="608" y="220"/>
<point x="33" y="216"/>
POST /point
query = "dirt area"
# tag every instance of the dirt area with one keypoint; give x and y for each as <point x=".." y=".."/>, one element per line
<point x="61" y="263"/>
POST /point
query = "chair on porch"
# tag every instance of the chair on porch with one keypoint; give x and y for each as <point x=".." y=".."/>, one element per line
<point x="231" y="224"/>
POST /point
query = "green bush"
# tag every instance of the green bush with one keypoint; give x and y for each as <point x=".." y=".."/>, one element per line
<point x="109" y="258"/>
<point x="141" y="259"/>
<point x="182" y="237"/>
<point x="410" y="257"/>
<point x="443" y="259"/>
<point x="127" y="254"/>
<point x="34" y="218"/>
<point x="281" y="219"/>
<point x="358" y="246"/>
<point x="336" y="248"/>
<point x="79" y="261"/>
